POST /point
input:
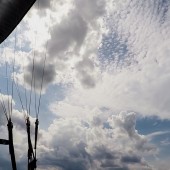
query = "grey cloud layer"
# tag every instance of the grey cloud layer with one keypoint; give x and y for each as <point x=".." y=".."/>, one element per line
<point x="69" y="38"/>
<point x="71" y="30"/>
<point x="40" y="74"/>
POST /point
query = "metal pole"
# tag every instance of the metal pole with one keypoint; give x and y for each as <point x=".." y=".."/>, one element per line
<point x="31" y="156"/>
<point x="11" y="145"/>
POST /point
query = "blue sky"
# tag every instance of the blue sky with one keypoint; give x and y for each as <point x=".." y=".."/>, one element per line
<point x="105" y="97"/>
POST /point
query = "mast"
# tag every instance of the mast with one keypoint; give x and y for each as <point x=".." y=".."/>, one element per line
<point x="11" y="145"/>
<point x="36" y="135"/>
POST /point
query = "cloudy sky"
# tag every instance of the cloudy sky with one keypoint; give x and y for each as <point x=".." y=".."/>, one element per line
<point x="105" y="101"/>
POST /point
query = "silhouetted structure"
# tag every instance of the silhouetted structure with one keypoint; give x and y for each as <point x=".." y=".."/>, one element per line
<point x="10" y="143"/>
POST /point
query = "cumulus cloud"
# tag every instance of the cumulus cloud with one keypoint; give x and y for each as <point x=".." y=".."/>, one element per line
<point x="138" y="71"/>
<point x="87" y="146"/>
<point x="72" y="35"/>
<point x="72" y="29"/>
<point x="79" y="143"/>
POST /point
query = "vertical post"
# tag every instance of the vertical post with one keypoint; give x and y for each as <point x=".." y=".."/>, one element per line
<point x="36" y="133"/>
<point x="31" y="157"/>
<point x="29" y="141"/>
<point x="11" y="145"/>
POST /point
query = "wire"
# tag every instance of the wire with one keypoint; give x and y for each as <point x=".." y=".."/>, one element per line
<point x="13" y="74"/>
<point x="25" y="92"/>
<point x="7" y="83"/>
<point x="35" y="94"/>
<point x="33" y="74"/>
<point x="19" y="95"/>
<point x="7" y="87"/>
<point x="39" y="102"/>
<point x="35" y="97"/>
<point x="3" y="106"/>
<point x="31" y="87"/>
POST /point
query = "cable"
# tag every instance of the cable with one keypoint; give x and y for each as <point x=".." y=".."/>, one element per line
<point x="33" y="75"/>
<point x="31" y="87"/>
<point x="35" y="94"/>
<point x="3" y="106"/>
<point x="35" y="98"/>
<point x="7" y="83"/>
<point x="13" y="74"/>
<point x="7" y="87"/>
<point x="25" y="93"/>
<point x="39" y="102"/>
<point x="19" y="95"/>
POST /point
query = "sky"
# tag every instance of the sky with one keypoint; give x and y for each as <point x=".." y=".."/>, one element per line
<point x="105" y="102"/>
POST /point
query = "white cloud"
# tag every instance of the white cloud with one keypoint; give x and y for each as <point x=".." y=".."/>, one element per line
<point x="87" y="145"/>
<point x="72" y="29"/>
<point x="137" y="86"/>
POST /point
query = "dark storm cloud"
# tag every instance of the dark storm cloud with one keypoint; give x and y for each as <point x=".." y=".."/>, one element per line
<point x="49" y="74"/>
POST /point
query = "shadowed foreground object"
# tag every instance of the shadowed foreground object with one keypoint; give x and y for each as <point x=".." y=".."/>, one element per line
<point x="4" y="142"/>
<point x="10" y="143"/>
<point x="11" y="13"/>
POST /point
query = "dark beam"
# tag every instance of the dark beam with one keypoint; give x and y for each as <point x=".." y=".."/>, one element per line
<point x="4" y="142"/>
